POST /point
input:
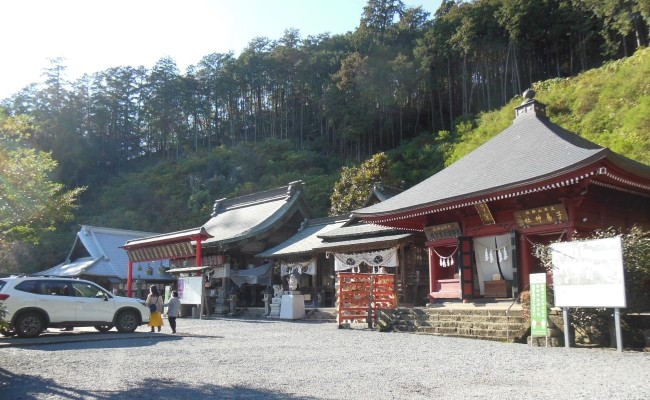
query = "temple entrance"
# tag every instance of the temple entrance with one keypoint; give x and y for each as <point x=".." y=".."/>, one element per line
<point x="494" y="265"/>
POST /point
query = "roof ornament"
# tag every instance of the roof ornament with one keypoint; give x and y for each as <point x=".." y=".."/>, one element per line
<point x="529" y="95"/>
<point x="216" y="207"/>
<point x="530" y="106"/>
<point x="293" y="187"/>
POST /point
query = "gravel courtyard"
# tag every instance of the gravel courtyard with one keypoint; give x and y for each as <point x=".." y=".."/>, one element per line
<point x="272" y="359"/>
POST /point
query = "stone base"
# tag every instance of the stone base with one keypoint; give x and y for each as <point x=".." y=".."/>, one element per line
<point x="541" y="341"/>
<point x="293" y="306"/>
<point x="275" y="311"/>
<point x="221" y="310"/>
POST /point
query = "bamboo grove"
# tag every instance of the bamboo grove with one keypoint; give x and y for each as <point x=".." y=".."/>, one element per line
<point x="400" y="73"/>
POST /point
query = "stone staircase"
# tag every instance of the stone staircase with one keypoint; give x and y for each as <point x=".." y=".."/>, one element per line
<point x="485" y="323"/>
<point x="475" y="321"/>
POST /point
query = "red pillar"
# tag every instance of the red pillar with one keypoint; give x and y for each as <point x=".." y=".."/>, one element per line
<point x="433" y="269"/>
<point x="199" y="258"/>
<point x="129" y="280"/>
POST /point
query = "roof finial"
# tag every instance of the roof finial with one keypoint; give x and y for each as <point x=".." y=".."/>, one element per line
<point x="529" y="95"/>
<point x="530" y="105"/>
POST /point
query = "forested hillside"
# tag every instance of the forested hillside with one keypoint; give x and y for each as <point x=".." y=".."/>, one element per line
<point x="154" y="148"/>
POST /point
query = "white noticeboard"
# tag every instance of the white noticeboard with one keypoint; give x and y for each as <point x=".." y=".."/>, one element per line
<point x="189" y="289"/>
<point x="589" y="273"/>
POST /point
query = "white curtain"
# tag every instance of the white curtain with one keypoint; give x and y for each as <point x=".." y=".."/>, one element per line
<point x="305" y="267"/>
<point x="255" y="276"/>
<point x="382" y="258"/>
<point x="486" y="250"/>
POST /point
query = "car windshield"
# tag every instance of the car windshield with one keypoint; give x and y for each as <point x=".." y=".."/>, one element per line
<point x="2" y="284"/>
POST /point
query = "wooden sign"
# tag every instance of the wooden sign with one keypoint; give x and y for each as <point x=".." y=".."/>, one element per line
<point x="553" y="214"/>
<point x="443" y="231"/>
<point x="485" y="214"/>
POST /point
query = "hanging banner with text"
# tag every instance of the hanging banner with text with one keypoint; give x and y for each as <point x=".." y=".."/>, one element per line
<point x="538" y="309"/>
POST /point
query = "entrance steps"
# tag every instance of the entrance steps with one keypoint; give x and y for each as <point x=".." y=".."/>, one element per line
<point x="485" y="321"/>
<point x="471" y="321"/>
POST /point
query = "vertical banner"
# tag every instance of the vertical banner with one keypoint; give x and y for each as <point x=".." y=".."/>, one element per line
<point x="538" y="309"/>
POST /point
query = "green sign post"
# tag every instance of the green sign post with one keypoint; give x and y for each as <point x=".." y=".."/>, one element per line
<point x="538" y="309"/>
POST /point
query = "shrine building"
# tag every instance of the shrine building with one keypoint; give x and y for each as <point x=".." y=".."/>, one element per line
<point x="533" y="183"/>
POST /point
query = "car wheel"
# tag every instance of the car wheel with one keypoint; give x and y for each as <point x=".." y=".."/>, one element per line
<point x="127" y="322"/>
<point x="104" y="328"/>
<point x="29" y="325"/>
<point x="7" y="332"/>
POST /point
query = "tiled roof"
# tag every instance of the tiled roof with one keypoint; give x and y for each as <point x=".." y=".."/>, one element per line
<point x="105" y="257"/>
<point x="306" y="240"/>
<point x="252" y="215"/>
<point x="381" y="192"/>
<point x="71" y="269"/>
<point x="357" y="230"/>
<point x="532" y="149"/>
<point x="365" y="243"/>
<point x="329" y="234"/>
<point x="164" y="238"/>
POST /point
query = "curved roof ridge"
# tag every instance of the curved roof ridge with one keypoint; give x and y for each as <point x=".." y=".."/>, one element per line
<point x="255" y="198"/>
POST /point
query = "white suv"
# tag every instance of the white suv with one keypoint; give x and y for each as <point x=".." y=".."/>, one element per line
<point x="35" y="303"/>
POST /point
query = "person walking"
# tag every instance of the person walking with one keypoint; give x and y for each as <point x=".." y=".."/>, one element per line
<point x="173" y="310"/>
<point x="154" y="298"/>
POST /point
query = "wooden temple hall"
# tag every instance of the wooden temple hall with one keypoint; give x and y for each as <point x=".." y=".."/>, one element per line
<point x="222" y="251"/>
<point x="534" y="182"/>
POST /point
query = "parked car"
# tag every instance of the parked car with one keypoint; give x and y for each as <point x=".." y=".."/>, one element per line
<point x="35" y="303"/>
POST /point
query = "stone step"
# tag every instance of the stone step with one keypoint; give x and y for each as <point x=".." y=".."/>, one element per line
<point x="484" y="323"/>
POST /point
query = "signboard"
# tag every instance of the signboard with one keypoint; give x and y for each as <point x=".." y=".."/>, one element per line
<point x="553" y="214"/>
<point x="189" y="289"/>
<point x="443" y="231"/>
<point x="538" y="309"/>
<point x="589" y="273"/>
<point x="485" y="214"/>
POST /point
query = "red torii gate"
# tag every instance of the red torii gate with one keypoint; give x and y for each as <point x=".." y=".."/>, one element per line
<point x="163" y="247"/>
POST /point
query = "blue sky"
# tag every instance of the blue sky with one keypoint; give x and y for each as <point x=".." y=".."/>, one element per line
<point x="93" y="35"/>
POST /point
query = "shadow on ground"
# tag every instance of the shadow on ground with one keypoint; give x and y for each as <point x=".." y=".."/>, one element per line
<point x="26" y="387"/>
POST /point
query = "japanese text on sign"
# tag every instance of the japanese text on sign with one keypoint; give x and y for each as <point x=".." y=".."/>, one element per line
<point x="553" y="214"/>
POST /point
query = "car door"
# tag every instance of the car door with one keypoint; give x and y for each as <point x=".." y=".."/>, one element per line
<point x="92" y="303"/>
<point x="56" y="298"/>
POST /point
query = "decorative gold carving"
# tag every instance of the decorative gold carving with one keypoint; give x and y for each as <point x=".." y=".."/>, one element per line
<point x="485" y="214"/>
<point x="545" y="215"/>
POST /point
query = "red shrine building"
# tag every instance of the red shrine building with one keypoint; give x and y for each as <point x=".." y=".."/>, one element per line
<point x="535" y="182"/>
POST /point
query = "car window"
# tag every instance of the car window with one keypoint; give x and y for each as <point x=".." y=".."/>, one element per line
<point x="2" y="284"/>
<point x="57" y="288"/>
<point x="31" y="286"/>
<point x="83" y="289"/>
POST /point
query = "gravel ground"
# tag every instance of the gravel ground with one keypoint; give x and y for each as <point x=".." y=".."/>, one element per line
<point x="271" y="359"/>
